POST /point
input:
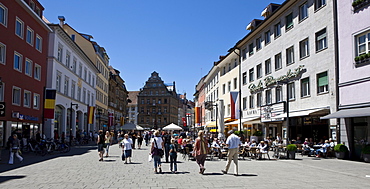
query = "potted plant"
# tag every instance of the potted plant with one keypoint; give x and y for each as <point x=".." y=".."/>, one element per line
<point x="291" y="149"/>
<point x="366" y="153"/>
<point x="340" y="151"/>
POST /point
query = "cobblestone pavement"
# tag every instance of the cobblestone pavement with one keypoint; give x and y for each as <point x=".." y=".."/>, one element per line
<point x="80" y="168"/>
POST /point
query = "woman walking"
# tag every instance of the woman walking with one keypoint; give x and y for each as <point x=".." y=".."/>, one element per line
<point x="200" y="151"/>
<point x="14" y="149"/>
<point x="101" y="141"/>
<point x="173" y="156"/>
<point x="108" y="142"/>
<point x="139" y="141"/>
<point x="127" y="148"/>
<point x="157" y="147"/>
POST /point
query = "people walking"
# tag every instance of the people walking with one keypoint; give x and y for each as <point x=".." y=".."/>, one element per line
<point x="100" y="142"/>
<point x="139" y="141"/>
<point x="127" y="148"/>
<point x="167" y="142"/>
<point x="173" y="156"/>
<point x="107" y="142"/>
<point x="233" y="143"/>
<point x="14" y="150"/>
<point x="200" y="151"/>
<point x="157" y="148"/>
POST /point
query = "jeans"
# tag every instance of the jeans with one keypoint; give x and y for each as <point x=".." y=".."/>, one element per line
<point x="11" y="158"/>
<point x="157" y="161"/>
<point x="173" y="164"/>
<point x="107" y="148"/>
<point x="167" y="150"/>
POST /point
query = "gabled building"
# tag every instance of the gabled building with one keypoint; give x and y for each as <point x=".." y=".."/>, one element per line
<point x="23" y="52"/>
<point x="157" y="103"/>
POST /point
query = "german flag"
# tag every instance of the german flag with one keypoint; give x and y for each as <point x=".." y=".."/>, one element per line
<point x="90" y="114"/>
<point x="197" y="115"/>
<point x="49" y="104"/>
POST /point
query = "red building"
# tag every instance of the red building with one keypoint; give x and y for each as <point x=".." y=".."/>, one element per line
<point x="23" y="51"/>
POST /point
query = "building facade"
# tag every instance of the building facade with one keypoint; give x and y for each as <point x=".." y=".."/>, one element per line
<point x="157" y="103"/>
<point x="72" y="74"/>
<point x="23" y="52"/>
<point x="132" y="107"/>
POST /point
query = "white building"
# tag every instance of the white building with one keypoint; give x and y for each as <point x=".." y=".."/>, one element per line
<point x="73" y="75"/>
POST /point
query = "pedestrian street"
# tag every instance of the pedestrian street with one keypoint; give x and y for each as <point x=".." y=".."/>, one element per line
<point x="80" y="168"/>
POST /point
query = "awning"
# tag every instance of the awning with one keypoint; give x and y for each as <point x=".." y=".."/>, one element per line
<point x="213" y="130"/>
<point x="303" y="113"/>
<point x="355" y="112"/>
<point x="236" y="122"/>
<point x="213" y="123"/>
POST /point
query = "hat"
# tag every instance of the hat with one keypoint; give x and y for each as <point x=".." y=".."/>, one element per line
<point x="230" y="132"/>
<point x="326" y="140"/>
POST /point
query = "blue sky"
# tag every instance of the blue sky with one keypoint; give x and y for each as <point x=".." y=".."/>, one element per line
<point x="178" y="39"/>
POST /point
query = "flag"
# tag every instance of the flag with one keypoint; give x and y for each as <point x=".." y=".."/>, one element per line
<point x="90" y="115"/>
<point x="184" y="121"/>
<point x="49" y="104"/>
<point x="122" y="121"/>
<point x="110" y="119"/>
<point x="234" y="99"/>
<point x="197" y="115"/>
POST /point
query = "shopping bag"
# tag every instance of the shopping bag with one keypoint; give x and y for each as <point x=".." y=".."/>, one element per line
<point x="150" y="158"/>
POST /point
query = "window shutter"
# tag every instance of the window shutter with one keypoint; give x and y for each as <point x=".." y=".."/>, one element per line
<point x="323" y="79"/>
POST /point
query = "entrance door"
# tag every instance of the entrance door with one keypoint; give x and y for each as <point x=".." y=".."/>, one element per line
<point x="360" y="135"/>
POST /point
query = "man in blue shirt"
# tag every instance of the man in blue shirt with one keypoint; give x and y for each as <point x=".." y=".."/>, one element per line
<point x="233" y="143"/>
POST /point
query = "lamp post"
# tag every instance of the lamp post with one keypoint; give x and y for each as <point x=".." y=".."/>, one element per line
<point x="209" y="106"/>
<point x="70" y="122"/>
<point x="287" y="109"/>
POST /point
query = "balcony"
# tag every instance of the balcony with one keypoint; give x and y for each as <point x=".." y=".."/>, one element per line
<point x="359" y="4"/>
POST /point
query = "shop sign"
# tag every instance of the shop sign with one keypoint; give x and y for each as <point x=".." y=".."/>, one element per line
<point x="270" y="112"/>
<point x="2" y="109"/>
<point x="270" y="80"/>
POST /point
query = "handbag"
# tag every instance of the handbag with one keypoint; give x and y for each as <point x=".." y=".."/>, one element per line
<point x="123" y="157"/>
<point x="157" y="151"/>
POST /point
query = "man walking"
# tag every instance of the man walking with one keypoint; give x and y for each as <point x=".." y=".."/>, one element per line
<point x="233" y="143"/>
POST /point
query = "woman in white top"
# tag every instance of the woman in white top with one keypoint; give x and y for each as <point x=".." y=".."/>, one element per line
<point x="108" y="141"/>
<point x="127" y="148"/>
<point x="157" y="145"/>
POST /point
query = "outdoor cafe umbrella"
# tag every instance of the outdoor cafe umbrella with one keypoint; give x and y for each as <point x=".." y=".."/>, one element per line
<point x="139" y="128"/>
<point x="172" y="127"/>
<point x="128" y="126"/>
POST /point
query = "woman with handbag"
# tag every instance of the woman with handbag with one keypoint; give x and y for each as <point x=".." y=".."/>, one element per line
<point x="14" y="149"/>
<point x="200" y="151"/>
<point x="157" y="151"/>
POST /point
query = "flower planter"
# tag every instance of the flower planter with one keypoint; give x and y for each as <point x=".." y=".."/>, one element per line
<point x="340" y="155"/>
<point x="291" y="154"/>
<point x="366" y="158"/>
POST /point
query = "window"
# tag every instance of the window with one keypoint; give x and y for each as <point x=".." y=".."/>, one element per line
<point x="18" y="61"/>
<point x="244" y="54"/>
<point x="259" y="71"/>
<point x="37" y="74"/>
<point x="268" y="66"/>
<point x="251" y="51"/>
<point x="84" y="95"/>
<point x="322" y="82"/>
<point x="363" y="43"/>
<point x="259" y="99"/>
<point x="289" y="21"/>
<point x="251" y="74"/>
<point x="305" y="87"/>
<point x="19" y="28"/>
<point x="290" y="55"/>
<point x="304" y="48"/>
<point x="268" y="97"/>
<point x="68" y="59"/>
<point x="321" y="42"/>
<point x="29" y="36"/>
<point x="235" y="63"/>
<point x="291" y="91"/>
<point x="258" y="43"/>
<point x="38" y="43"/>
<point x="36" y="101"/>
<point x="244" y="78"/>
<point x="79" y="93"/>
<point x="229" y="86"/>
<point x="66" y="85"/>
<point x="57" y="82"/>
<point x="223" y="89"/>
<point x="3" y="15"/>
<point x="267" y="37"/>
<point x="277" y="30"/>
<point x="235" y="83"/>
<point x="80" y="70"/>
<point x="228" y="109"/>
<point x="74" y="64"/>
<point x="279" y="94"/>
<point x="2" y="53"/>
<point x="28" y="67"/>
<point x="244" y="103"/>
<point x="251" y="101"/>
<point x="60" y="53"/>
<point x="1" y="92"/>
<point x="73" y="89"/>
<point x="85" y="74"/>
<point x="303" y="11"/>
<point x="16" y="96"/>
<point x="27" y="99"/>
<point x="319" y="4"/>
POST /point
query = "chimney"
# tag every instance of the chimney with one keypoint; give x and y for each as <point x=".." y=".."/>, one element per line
<point x="61" y="20"/>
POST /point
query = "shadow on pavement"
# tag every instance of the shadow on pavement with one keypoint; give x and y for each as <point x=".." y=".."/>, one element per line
<point x="185" y="172"/>
<point x="246" y="175"/>
<point x="6" y="178"/>
<point x="31" y="158"/>
<point x="212" y="174"/>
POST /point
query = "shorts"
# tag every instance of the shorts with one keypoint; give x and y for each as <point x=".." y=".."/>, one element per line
<point x="100" y="147"/>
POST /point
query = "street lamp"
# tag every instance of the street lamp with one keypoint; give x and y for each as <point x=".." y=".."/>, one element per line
<point x="70" y="123"/>
<point x="209" y="106"/>
<point x="287" y="109"/>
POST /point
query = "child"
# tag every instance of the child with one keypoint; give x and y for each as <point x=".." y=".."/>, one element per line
<point x="173" y="156"/>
